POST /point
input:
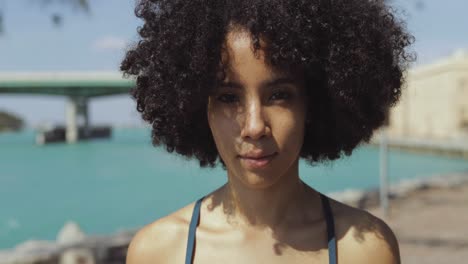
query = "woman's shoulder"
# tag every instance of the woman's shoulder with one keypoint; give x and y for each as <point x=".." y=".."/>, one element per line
<point x="363" y="237"/>
<point x="162" y="241"/>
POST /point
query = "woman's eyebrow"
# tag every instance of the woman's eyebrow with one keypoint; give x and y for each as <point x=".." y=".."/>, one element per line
<point x="278" y="81"/>
<point x="264" y="84"/>
<point x="230" y="85"/>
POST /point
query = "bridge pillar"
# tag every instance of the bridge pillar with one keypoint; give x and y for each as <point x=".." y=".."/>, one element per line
<point x="71" y="116"/>
<point x="76" y="108"/>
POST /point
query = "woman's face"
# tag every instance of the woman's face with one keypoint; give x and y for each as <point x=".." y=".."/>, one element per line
<point x="256" y="116"/>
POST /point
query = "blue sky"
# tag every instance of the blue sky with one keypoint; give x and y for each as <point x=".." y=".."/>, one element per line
<point x="98" y="42"/>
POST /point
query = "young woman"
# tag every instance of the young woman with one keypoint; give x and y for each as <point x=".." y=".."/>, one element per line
<point x="257" y="85"/>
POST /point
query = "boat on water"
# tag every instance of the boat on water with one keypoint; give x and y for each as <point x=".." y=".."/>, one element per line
<point x="57" y="134"/>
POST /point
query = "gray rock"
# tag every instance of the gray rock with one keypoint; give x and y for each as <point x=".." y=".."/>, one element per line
<point x="71" y="233"/>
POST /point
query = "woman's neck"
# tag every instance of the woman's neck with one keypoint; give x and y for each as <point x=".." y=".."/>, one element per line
<point x="286" y="202"/>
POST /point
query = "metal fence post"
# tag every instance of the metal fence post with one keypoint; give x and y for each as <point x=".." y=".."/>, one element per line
<point x="383" y="173"/>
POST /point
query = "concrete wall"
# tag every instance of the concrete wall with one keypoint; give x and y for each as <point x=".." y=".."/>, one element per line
<point x="463" y="109"/>
<point x="434" y="103"/>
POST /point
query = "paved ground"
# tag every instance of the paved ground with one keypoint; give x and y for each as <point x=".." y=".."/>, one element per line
<point x="431" y="225"/>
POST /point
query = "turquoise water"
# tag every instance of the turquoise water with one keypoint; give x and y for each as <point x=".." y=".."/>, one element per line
<point x="124" y="183"/>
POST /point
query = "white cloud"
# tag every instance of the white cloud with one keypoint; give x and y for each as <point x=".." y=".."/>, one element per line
<point x="109" y="43"/>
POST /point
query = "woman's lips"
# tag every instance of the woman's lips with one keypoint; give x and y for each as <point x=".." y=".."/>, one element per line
<point x="256" y="163"/>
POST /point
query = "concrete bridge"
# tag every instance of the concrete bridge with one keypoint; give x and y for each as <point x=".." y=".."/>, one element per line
<point x="78" y="87"/>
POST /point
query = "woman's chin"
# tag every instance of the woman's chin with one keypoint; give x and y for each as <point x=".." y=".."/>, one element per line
<point x="259" y="179"/>
<point x="259" y="175"/>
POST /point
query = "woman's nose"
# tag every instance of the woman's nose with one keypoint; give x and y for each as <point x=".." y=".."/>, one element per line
<point x="255" y="126"/>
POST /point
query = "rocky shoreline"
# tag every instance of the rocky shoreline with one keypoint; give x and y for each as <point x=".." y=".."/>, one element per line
<point x="365" y="199"/>
<point x="73" y="246"/>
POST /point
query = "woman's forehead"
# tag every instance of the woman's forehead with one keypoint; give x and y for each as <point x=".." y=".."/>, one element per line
<point x="239" y="58"/>
<point x="242" y="63"/>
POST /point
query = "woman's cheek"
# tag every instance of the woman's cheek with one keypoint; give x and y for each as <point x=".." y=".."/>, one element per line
<point x="223" y="128"/>
<point x="289" y="132"/>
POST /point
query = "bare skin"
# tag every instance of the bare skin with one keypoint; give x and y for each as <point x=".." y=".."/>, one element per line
<point x="264" y="213"/>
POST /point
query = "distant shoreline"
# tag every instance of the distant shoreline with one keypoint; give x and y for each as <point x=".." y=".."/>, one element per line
<point x="10" y="122"/>
<point x="451" y="148"/>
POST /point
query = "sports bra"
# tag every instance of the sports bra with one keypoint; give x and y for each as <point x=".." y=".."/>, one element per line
<point x="328" y="218"/>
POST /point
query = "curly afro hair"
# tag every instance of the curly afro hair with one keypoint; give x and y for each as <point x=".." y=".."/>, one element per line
<point x="351" y="53"/>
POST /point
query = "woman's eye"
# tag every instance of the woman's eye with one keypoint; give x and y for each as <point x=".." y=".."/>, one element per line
<point x="281" y="96"/>
<point x="227" y="98"/>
